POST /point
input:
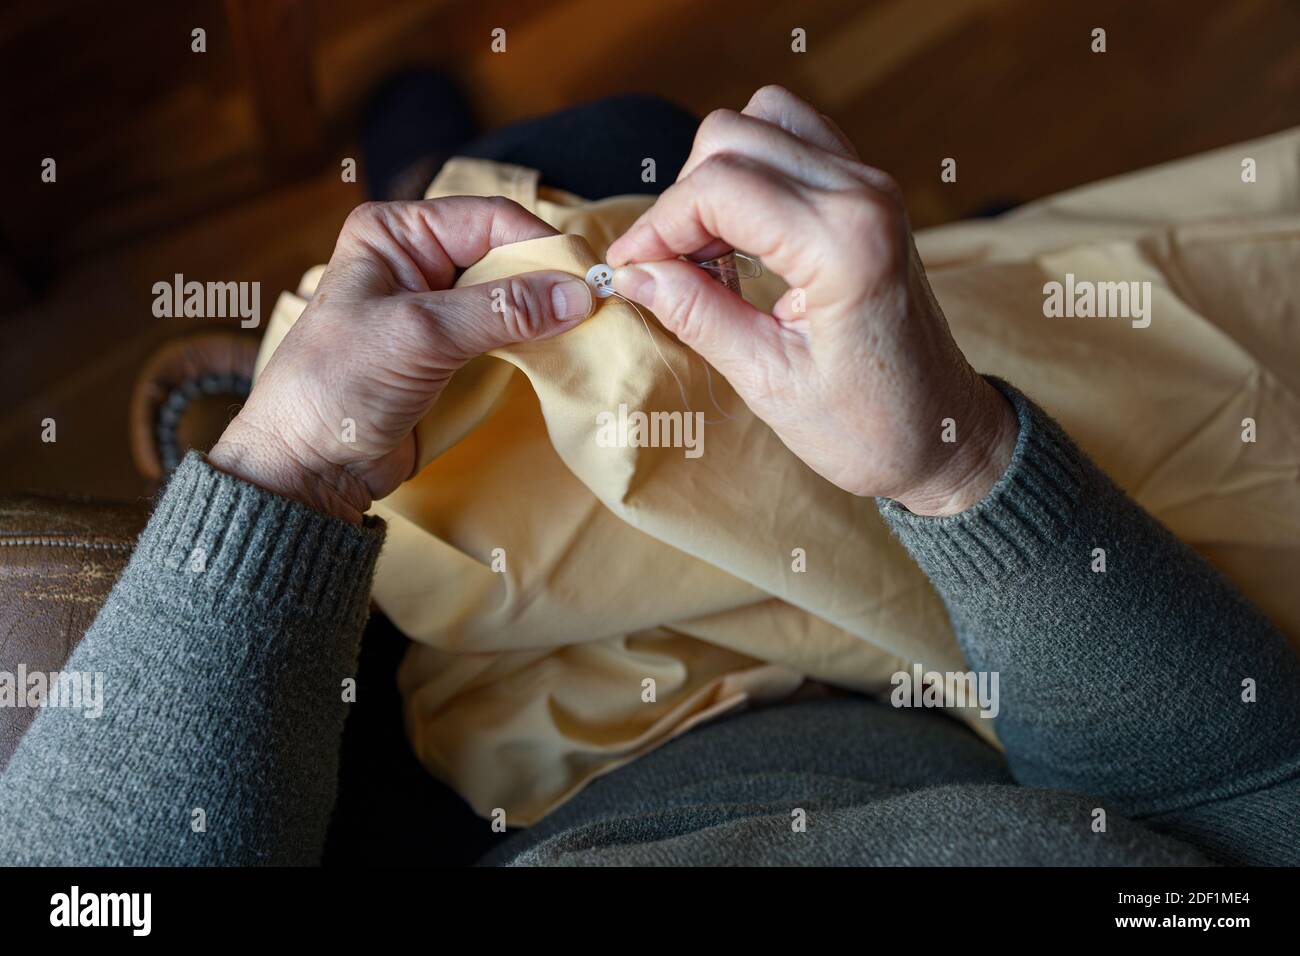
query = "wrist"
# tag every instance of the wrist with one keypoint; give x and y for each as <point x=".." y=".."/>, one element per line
<point x="261" y="457"/>
<point x="980" y="456"/>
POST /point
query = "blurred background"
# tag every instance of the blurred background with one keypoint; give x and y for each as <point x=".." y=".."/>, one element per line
<point x="225" y="165"/>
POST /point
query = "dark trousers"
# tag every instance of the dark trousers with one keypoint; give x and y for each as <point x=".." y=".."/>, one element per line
<point x="598" y="149"/>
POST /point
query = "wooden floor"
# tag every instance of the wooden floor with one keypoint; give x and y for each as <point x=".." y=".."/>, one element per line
<point x="161" y="170"/>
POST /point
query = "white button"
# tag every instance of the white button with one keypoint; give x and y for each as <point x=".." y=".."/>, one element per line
<point x="599" y="278"/>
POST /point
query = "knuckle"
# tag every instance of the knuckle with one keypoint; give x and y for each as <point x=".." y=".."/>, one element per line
<point x="768" y="96"/>
<point x="867" y="222"/>
<point x="725" y="165"/>
<point x="887" y="186"/>
<point x="503" y="208"/>
<point x="525" y="312"/>
<point x="363" y="214"/>
<point x="425" y="330"/>
<point x="412" y="321"/>
<point x="716" y="124"/>
<point x="410" y="311"/>
<point x="867" y="210"/>
<point x="685" y="318"/>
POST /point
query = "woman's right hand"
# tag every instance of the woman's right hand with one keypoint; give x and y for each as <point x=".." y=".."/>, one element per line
<point x="854" y="368"/>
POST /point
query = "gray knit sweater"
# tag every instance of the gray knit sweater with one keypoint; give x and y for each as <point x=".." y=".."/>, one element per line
<point x="1129" y="736"/>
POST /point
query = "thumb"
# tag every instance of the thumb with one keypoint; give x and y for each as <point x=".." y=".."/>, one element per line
<point x="519" y="308"/>
<point x="703" y="313"/>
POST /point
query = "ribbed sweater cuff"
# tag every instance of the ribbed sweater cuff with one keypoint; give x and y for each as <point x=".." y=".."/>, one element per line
<point x="1025" y="514"/>
<point x="234" y="541"/>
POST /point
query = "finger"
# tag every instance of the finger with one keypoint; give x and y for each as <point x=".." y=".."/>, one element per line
<point x="782" y="130"/>
<point x="705" y="315"/>
<point x="521" y="308"/>
<point x="726" y="131"/>
<point x="739" y="200"/>
<point x="419" y="246"/>
<point x="778" y="105"/>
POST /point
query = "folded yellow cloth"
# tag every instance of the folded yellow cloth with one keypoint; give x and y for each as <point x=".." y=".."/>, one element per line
<point x="575" y="605"/>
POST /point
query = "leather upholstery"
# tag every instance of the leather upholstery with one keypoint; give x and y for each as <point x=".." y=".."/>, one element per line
<point x="58" y="560"/>
<point x="59" y="557"/>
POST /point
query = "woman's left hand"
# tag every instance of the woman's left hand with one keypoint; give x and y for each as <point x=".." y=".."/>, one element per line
<point x="330" y="421"/>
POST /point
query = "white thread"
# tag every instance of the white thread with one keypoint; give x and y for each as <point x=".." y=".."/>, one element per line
<point x="681" y="386"/>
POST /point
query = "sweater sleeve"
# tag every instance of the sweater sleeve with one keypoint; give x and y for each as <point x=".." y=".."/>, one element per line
<point x="222" y="654"/>
<point x="1148" y="680"/>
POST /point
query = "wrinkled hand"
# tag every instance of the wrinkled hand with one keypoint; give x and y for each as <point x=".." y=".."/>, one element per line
<point x="854" y="368"/>
<point x="330" y="421"/>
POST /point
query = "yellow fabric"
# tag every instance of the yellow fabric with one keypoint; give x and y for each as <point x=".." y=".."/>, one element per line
<point x="628" y="564"/>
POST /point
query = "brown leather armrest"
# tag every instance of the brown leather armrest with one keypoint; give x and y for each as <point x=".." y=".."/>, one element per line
<point x="59" y="558"/>
<point x="185" y="395"/>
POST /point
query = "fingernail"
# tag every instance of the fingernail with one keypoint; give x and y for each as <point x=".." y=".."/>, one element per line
<point x="571" y="299"/>
<point x="635" y="284"/>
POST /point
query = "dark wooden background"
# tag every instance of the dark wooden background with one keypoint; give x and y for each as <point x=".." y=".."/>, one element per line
<point x="224" y="165"/>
